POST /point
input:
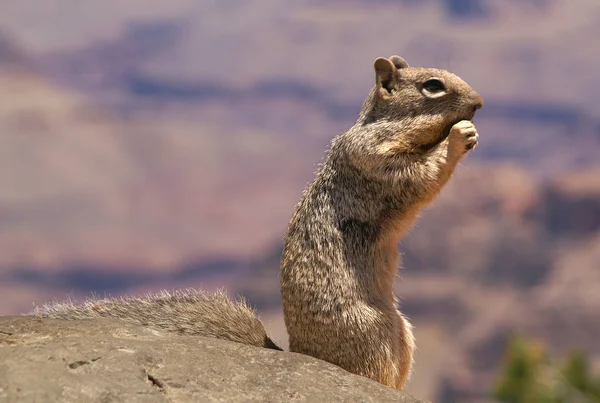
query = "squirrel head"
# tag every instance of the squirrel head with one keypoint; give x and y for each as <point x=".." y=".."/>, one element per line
<point x="432" y="100"/>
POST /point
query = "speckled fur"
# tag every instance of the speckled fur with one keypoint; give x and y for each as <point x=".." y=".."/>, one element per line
<point x="188" y="312"/>
<point x="340" y="256"/>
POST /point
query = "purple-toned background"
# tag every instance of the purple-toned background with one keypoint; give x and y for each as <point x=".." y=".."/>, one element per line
<point x="152" y="144"/>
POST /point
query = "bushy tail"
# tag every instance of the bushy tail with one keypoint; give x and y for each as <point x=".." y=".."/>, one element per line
<point x="188" y="312"/>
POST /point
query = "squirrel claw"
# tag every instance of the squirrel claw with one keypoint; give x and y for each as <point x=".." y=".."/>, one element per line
<point x="464" y="135"/>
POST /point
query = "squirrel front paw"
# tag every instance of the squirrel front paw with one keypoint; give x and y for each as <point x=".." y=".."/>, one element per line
<point x="463" y="136"/>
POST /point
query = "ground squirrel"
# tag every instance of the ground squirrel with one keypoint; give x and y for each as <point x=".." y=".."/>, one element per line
<point x="340" y="256"/>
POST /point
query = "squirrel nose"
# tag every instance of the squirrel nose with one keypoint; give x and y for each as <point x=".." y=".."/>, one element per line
<point x="477" y="101"/>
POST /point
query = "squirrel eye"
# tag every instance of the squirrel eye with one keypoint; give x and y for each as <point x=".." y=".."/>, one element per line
<point x="434" y="85"/>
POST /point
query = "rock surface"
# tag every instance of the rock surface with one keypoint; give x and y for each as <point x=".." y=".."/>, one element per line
<point x="43" y="360"/>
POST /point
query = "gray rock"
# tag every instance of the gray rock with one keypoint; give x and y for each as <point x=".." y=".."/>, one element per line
<point x="100" y="360"/>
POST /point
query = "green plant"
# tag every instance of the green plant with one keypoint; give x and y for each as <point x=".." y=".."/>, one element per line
<point x="529" y="375"/>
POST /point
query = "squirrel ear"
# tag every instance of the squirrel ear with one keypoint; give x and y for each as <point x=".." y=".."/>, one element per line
<point x="399" y="62"/>
<point x="385" y="73"/>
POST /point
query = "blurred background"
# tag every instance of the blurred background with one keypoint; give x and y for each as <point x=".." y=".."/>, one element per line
<point x="153" y="144"/>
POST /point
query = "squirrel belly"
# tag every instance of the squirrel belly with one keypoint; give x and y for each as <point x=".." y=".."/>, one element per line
<point x="188" y="312"/>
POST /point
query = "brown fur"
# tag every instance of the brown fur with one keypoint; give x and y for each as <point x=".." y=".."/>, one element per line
<point x="188" y="312"/>
<point x="340" y="256"/>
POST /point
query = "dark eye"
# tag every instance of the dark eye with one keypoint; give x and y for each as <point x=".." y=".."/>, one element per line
<point x="434" y="85"/>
